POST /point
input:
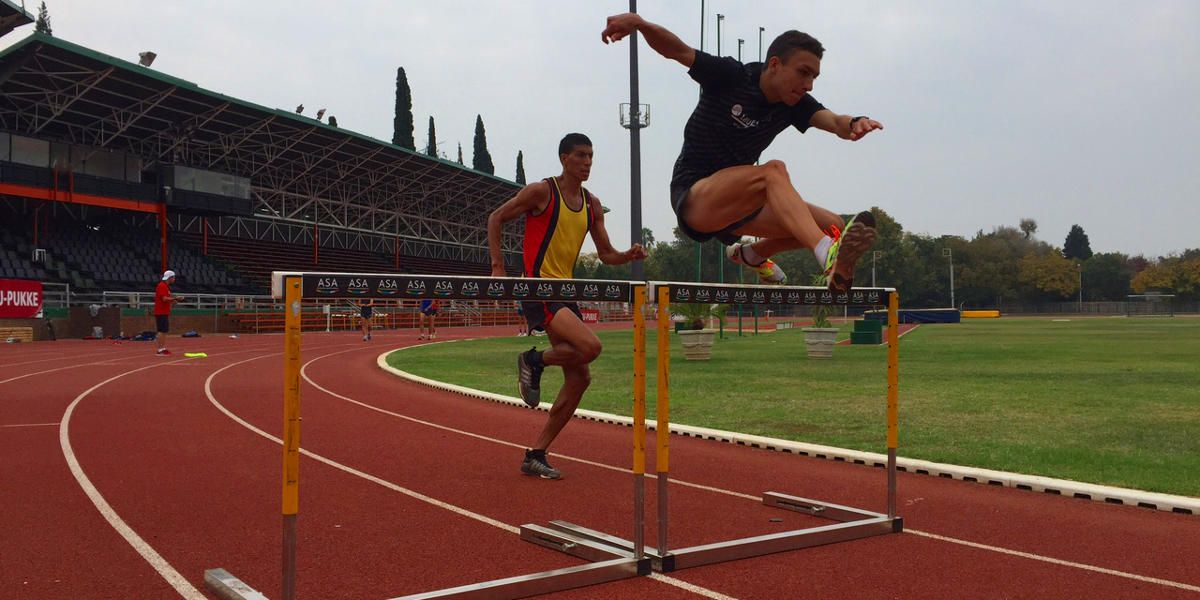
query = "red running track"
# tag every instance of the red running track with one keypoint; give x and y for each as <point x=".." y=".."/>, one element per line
<point x="127" y="475"/>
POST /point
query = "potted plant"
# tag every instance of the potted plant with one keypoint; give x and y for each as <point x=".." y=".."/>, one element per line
<point x="820" y="337"/>
<point x="697" y="341"/>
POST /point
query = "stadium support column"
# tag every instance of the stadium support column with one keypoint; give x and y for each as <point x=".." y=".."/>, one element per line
<point x="316" y="239"/>
<point x="162" y="231"/>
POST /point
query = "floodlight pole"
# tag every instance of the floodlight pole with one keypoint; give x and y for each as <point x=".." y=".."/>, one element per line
<point x="635" y="152"/>
<point x="949" y="253"/>
<point x="1079" y="267"/>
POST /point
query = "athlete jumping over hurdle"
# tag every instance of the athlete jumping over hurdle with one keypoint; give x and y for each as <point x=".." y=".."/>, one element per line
<point x="558" y="213"/>
<point x="718" y="191"/>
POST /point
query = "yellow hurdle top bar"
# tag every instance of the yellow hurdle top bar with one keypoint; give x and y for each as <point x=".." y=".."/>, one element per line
<point x="784" y="295"/>
<point x="415" y="286"/>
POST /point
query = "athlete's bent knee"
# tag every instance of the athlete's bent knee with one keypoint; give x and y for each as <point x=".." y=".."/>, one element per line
<point x="589" y="351"/>
<point x="769" y="174"/>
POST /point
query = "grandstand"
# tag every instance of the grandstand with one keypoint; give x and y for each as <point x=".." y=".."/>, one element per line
<point x="111" y="172"/>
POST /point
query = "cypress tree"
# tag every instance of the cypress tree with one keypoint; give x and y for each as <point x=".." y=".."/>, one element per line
<point x="520" y="168"/>
<point x="460" y="158"/>
<point x="431" y="145"/>
<point x="43" y="21"/>
<point x="402" y="123"/>
<point x="482" y="160"/>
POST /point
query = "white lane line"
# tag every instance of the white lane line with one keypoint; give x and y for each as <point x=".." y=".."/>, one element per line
<point x="107" y="361"/>
<point x="1055" y="561"/>
<point x="584" y="461"/>
<point x="758" y="499"/>
<point x="679" y="583"/>
<point x="31" y="425"/>
<point x="75" y="357"/>
<point x="160" y="564"/>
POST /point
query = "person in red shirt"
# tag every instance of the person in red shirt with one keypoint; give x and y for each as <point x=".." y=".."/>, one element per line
<point x="163" y="299"/>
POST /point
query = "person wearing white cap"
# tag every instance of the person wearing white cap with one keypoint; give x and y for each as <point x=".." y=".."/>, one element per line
<point x="163" y="299"/>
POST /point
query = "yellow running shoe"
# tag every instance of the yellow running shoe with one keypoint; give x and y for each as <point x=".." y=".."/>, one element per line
<point x="768" y="272"/>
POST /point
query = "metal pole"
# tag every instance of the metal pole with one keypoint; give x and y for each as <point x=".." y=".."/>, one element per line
<point x="760" y="32"/>
<point x="740" y="42"/>
<point x="1079" y="267"/>
<point x="635" y="151"/>
<point x="720" y="18"/>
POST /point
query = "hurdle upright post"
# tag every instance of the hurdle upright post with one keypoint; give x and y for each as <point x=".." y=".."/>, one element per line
<point x="893" y="394"/>
<point x="291" y="431"/>
<point x="662" y="412"/>
<point x="639" y="420"/>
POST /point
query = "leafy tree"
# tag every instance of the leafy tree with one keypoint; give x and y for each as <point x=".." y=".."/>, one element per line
<point x="1173" y="274"/>
<point x="1050" y="274"/>
<point x="647" y="239"/>
<point x="431" y="145"/>
<point x="1106" y="276"/>
<point x="43" y="21"/>
<point x="402" y="123"/>
<point x="481" y="160"/>
<point x="520" y="168"/>
<point x="1077" y="245"/>
<point x="1028" y="227"/>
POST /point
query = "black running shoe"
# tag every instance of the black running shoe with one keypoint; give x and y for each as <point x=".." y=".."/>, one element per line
<point x="529" y="379"/>
<point x="535" y="464"/>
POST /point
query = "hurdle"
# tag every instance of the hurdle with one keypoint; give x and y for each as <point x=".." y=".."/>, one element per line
<point x="849" y="523"/>
<point x="606" y="562"/>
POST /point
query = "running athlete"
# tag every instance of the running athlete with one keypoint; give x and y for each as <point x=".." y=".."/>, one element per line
<point x="558" y="213"/>
<point x="716" y="189"/>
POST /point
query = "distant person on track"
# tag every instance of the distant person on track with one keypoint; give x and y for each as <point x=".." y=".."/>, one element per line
<point x="163" y="299"/>
<point x="522" y="324"/>
<point x="366" y="310"/>
<point x="559" y="212"/>
<point x="428" y="328"/>
<point x="717" y="191"/>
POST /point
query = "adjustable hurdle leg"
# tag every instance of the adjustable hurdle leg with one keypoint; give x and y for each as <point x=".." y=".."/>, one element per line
<point x="291" y="432"/>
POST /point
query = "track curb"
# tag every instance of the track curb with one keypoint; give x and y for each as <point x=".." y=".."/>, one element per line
<point x="1035" y="483"/>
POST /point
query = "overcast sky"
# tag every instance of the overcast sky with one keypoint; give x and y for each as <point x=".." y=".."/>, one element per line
<point x="995" y="110"/>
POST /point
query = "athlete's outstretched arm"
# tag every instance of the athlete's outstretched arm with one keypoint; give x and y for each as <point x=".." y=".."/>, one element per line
<point x="532" y="198"/>
<point x="604" y="248"/>
<point x="844" y="126"/>
<point x="662" y="41"/>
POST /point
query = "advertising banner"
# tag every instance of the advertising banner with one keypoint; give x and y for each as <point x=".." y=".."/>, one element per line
<point x="20" y="298"/>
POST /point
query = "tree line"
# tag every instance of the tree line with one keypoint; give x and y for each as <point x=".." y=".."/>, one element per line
<point x="402" y="134"/>
<point x="1004" y="266"/>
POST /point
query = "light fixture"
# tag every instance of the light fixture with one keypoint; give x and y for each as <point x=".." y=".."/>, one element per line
<point x="146" y="58"/>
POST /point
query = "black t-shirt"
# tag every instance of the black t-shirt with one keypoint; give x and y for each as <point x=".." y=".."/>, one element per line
<point x="733" y="122"/>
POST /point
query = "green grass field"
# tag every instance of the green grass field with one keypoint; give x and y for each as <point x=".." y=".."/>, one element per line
<point x="1114" y="401"/>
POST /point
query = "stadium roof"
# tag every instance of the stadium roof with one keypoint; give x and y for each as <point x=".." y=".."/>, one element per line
<point x="12" y="17"/>
<point x="301" y="170"/>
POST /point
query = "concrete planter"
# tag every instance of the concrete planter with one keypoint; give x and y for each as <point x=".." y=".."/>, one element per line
<point x="697" y="343"/>
<point x="820" y="341"/>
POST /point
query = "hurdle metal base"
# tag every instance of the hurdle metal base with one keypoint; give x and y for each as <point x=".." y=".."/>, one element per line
<point x="609" y="564"/>
<point x="852" y="524"/>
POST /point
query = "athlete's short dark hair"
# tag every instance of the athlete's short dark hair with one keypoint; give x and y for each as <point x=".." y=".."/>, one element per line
<point x="789" y="42"/>
<point x="571" y="140"/>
